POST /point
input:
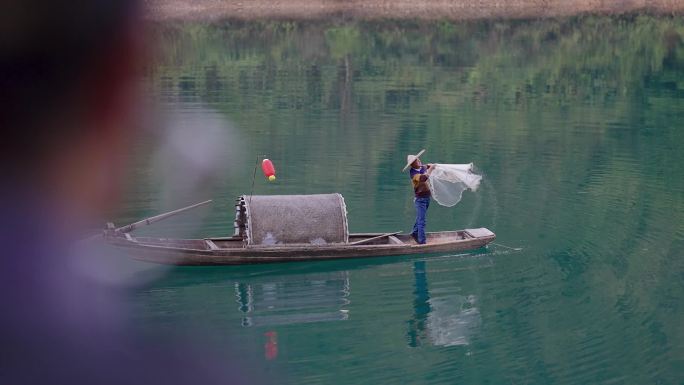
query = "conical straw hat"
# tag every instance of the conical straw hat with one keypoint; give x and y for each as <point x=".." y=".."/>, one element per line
<point x="411" y="158"/>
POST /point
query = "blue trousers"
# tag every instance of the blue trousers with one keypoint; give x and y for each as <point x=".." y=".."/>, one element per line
<point x="422" y="205"/>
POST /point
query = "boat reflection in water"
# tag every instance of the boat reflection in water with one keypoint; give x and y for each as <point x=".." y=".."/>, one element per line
<point x="318" y="298"/>
<point x="441" y="320"/>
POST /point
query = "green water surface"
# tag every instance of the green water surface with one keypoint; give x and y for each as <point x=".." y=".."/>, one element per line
<point x="576" y="125"/>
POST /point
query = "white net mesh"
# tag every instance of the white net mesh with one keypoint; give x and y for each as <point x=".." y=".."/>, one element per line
<point x="448" y="181"/>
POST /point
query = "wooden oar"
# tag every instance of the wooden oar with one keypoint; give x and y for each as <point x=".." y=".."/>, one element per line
<point x="157" y="218"/>
<point x="374" y="238"/>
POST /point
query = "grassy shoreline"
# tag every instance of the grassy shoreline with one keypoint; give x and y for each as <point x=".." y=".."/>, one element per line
<point x="163" y="10"/>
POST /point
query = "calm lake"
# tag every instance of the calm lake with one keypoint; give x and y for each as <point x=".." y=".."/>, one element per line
<point x="576" y="125"/>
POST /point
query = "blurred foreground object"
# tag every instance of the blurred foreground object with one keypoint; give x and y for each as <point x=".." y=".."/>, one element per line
<point x="68" y="73"/>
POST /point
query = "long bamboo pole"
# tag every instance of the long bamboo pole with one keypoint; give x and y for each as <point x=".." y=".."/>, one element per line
<point x="157" y="218"/>
<point x="373" y="238"/>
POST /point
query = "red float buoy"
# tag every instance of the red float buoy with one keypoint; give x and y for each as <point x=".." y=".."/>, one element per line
<point x="268" y="169"/>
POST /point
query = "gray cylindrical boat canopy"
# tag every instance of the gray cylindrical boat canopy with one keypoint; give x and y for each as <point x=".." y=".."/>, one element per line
<point x="295" y="219"/>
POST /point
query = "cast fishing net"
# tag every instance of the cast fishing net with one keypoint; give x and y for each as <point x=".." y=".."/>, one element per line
<point x="448" y="181"/>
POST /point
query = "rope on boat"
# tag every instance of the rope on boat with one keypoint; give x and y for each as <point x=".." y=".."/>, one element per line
<point x="508" y="247"/>
<point x="251" y="192"/>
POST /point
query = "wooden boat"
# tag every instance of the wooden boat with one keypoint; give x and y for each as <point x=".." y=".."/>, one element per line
<point x="234" y="251"/>
<point x="242" y="247"/>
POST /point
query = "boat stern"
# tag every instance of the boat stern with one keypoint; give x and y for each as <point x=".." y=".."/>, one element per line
<point x="481" y="233"/>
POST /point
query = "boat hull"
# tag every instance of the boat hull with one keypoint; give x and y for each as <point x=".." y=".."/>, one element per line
<point x="232" y="251"/>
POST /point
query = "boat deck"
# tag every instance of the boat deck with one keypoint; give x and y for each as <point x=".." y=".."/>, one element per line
<point x="235" y="250"/>
<point x="235" y="242"/>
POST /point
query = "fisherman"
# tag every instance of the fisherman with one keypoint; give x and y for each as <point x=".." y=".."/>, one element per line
<point x="419" y="175"/>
